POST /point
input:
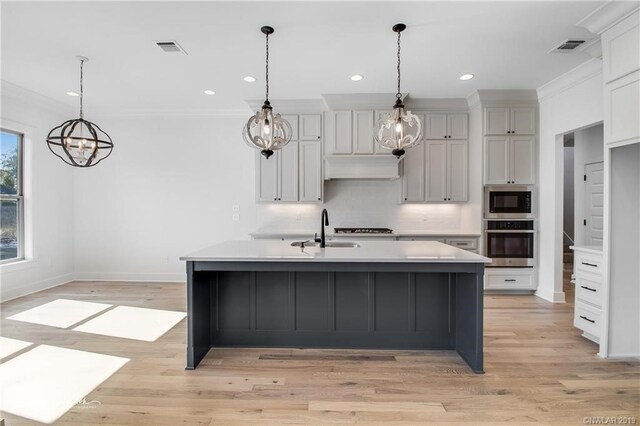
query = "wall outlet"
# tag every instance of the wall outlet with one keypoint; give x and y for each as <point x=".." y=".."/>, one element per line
<point x="235" y="208"/>
<point x="235" y="217"/>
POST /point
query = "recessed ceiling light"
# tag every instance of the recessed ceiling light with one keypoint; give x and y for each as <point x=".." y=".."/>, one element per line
<point x="72" y="94"/>
<point x="209" y="92"/>
<point x="356" y="77"/>
<point x="466" y="77"/>
<point x="249" y="79"/>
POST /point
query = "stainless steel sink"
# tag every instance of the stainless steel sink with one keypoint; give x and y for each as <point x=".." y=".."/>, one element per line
<point x="345" y="244"/>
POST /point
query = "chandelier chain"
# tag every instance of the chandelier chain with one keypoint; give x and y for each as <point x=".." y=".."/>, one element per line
<point x="81" y="86"/>
<point x="398" y="94"/>
<point x="267" y="67"/>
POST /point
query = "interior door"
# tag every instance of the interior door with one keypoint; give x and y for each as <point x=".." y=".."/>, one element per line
<point x="594" y="199"/>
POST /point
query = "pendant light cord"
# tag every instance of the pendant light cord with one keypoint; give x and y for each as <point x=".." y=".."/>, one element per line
<point x="398" y="94"/>
<point x="81" y="86"/>
<point x="267" y="67"/>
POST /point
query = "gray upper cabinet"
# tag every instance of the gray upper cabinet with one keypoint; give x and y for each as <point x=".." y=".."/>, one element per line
<point x="457" y="170"/>
<point x="310" y="127"/>
<point x="340" y="133"/>
<point x="441" y="126"/>
<point x="496" y="161"/>
<point x="377" y="148"/>
<point x="293" y="173"/>
<point x="509" y="121"/>
<point x="436" y="170"/>
<point x="522" y="156"/>
<point x="413" y="174"/>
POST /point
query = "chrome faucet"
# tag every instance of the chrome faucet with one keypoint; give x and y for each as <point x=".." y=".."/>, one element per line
<point x="324" y="221"/>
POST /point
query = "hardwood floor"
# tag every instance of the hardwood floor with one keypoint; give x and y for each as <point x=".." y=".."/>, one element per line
<point x="538" y="369"/>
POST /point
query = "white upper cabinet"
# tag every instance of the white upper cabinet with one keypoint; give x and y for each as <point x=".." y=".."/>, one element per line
<point x="310" y="171"/>
<point x="509" y="121"/>
<point x="496" y="161"/>
<point x="436" y="171"/>
<point x="363" y="132"/>
<point x="293" y="173"/>
<point x="339" y="137"/>
<point x="509" y="159"/>
<point x="446" y="126"/>
<point x="310" y="127"/>
<point x="457" y="169"/>
<point x="621" y="48"/>
<point x="377" y="148"/>
<point x="413" y="174"/>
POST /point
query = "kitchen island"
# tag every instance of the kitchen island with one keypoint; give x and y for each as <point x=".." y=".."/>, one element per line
<point x="379" y="295"/>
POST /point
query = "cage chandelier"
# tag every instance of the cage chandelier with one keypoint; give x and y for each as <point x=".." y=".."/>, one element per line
<point x="78" y="142"/>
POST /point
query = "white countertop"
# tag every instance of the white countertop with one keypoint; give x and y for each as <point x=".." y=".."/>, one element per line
<point x="401" y="233"/>
<point x="369" y="251"/>
<point x="588" y="249"/>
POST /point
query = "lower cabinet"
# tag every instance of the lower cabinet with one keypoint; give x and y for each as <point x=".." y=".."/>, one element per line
<point x="510" y="279"/>
<point x="588" y="294"/>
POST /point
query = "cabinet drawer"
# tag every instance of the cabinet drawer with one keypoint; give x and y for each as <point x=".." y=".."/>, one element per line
<point x="463" y="243"/>
<point x="515" y="282"/>
<point x="588" y="263"/>
<point x="588" y="290"/>
<point x="587" y="318"/>
<point x="440" y="240"/>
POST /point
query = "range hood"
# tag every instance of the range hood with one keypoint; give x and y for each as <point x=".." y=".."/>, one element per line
<point x="361" y="167"/>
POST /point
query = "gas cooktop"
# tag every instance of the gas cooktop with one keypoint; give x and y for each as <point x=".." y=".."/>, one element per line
<point x="363" y="231"/>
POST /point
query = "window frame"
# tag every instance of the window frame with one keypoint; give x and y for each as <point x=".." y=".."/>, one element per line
<point x="19" y="199"/>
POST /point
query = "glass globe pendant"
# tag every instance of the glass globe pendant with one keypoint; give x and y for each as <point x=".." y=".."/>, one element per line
<point x="399" y="129"/>
<point x="265" y="130"/>
<point x="78" y="142"/>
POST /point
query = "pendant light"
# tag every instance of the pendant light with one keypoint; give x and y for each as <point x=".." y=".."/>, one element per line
<point x="399" y="129"/>
<point x="78" y="142"/>
<point x="265" y="130"/>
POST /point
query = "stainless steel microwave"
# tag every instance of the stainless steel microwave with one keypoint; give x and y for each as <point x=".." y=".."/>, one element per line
<point x="509" y="202"/>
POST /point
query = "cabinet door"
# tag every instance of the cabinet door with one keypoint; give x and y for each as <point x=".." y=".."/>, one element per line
<point x="622" y="109"/>
<point x="436" y="126"/>
<point x="413" y="174"/>
<point x="267" y="177"/>
<point x="310" y="171"/>
<point x="496" y="121"/>
<point x="310" y="127"/>
<point x="377" y="148"/>
<point x="522" y="159"/>
<point x="436" y="170"/>
<point x="496" y="161"/>
<point x="341" y="132"/>
<point x="457" y="125"/>
<point x="293" y="121"/>
<point x="457" y="170"/>
<point x="288" y="173"/>
<point x="523" y="121"/>
<point x="363" y="132"/>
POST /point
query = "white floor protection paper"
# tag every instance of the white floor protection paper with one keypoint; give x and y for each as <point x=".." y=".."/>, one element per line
<point x="10" y="346"/>
<point x="60" y="313"/>
<point x="133" y="323"/>
<point x="46" y="382"/>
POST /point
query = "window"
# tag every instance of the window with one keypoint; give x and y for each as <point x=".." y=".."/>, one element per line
<point x="11" y="197"/>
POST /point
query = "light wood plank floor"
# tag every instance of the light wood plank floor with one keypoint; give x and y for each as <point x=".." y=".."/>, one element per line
<point x="538" y="369"/>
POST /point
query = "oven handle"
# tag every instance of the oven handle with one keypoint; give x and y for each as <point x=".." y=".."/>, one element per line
<point x="510" y="231"/>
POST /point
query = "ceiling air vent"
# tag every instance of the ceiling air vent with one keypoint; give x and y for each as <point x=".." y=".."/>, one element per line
<point x="568" y="45"/>
<point x="170" y="46"/>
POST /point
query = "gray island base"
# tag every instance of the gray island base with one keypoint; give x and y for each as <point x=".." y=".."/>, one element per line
<point x="382" y="295"/>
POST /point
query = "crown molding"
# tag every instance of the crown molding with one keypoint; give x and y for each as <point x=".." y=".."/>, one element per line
<point x="579" y="74"/>
<point x="436" y="104"/>
<point x="607" y="15"/>
<point x="168" y="112"/>
<point x="289" y="106"/>
<point x="10" y="90"/>
<point x="505" y="97"/>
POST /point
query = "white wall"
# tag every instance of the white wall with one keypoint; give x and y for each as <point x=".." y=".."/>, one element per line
<point x="589" y="148"/>
<point x="572" y="101"/>
<point x="48" y="196"/>
<point x="170" y="185"/>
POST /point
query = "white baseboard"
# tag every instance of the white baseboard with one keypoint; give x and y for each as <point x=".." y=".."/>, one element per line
<point x="14" y="293"/>
<point x="555" y="297"/>
<point x="131" y="277"/>
<point x="621" y="357"/>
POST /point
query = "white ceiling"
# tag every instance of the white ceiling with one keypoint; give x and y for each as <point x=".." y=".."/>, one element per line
<point x="316" y="47"/>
